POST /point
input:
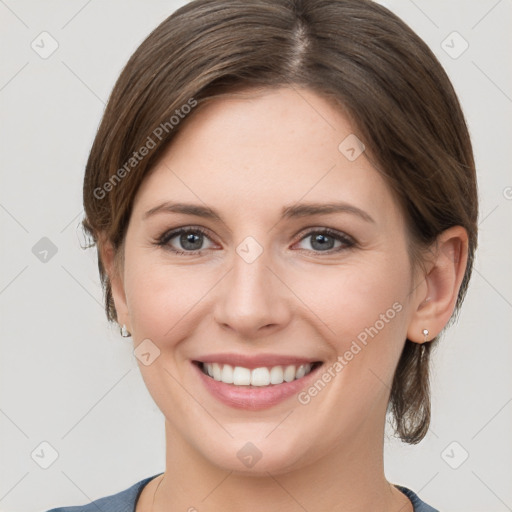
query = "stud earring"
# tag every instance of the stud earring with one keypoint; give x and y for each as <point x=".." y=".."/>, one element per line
<point x="425" y="333"/>
<point x="124" y="332"/>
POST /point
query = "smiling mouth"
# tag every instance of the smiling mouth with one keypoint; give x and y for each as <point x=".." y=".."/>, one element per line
<point x="256" y="377"/>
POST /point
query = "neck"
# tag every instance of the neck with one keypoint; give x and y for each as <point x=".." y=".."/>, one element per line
<point x="349" y="478"/>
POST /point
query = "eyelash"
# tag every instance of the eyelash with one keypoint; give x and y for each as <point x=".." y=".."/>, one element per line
<point x="163" y="241"/>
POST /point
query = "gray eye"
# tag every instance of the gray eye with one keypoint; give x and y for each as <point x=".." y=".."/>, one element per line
<point x="323" y="241"/>
<point x="191" y="241"/>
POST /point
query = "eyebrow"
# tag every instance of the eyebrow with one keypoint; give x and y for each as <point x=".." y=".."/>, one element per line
<point x="288" y="212"/>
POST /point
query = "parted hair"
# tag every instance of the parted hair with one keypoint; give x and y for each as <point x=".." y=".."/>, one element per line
<point x="355" y="52"/>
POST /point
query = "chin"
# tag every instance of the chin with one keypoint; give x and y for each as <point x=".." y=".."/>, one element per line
<point x="257" y="459"/>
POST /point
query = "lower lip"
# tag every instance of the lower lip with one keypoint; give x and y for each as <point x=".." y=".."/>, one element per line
<point x="254" y="398"/>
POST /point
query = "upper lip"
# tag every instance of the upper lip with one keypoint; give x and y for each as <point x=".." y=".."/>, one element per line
<point x="255" y="361"/>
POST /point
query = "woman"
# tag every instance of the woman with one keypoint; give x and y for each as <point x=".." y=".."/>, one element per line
<point x="283" y="197"/>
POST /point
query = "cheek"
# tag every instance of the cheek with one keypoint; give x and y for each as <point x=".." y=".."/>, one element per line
<point x="351" y="299"/>
<point x="159" y="297"/>
<point x="365" y="308"/>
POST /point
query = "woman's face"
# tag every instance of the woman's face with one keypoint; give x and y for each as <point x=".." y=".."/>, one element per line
<point x="261" y="283"/>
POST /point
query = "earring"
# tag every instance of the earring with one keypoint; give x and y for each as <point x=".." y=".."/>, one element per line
<point x="425" y="333"/>
<point x="124" y="332"/>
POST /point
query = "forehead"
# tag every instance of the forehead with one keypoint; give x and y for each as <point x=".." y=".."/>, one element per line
<point x="254" y="153"/>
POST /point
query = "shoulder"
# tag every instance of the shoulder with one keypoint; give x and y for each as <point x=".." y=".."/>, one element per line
<point x="419" y="506"/>
<point x="123" y="501"/>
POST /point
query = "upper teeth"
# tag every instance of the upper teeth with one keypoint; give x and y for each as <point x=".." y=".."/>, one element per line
<point x="240" y="376"/>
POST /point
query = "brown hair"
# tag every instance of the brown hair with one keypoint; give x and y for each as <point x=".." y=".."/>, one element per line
<point x="354" y="51"/>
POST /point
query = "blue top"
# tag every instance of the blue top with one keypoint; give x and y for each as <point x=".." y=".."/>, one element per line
<point x="126" y="500"/>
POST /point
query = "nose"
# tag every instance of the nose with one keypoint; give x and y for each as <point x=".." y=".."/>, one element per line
<point x="253" y="300"/>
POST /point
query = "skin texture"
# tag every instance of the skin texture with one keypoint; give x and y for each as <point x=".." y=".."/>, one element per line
<point x="247" y="158"/>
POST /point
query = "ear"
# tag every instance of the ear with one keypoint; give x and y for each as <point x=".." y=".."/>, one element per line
<point x="437" y="295"/>
<point x="114" y="270"/>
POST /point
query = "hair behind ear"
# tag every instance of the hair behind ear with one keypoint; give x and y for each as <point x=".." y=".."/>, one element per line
<point x="410" y="392"/>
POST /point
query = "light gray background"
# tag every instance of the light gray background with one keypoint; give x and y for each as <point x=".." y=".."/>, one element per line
<point x="69" y="379"/>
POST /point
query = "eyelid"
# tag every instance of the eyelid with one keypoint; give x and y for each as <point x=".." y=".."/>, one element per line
<point x="346" y="240"/>
<point x="167" y="236"/>
<point x="310" y="230"/>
